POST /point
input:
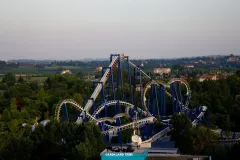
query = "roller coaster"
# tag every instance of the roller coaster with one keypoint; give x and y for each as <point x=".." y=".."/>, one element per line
<point x="111" y="97"/>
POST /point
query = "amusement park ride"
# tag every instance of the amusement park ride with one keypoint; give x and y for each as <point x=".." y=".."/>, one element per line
<point x="142" y="116"/>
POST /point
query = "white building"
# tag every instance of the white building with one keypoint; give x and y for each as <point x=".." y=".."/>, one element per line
<point x="162" y="71"/>
<point x="66" y="71"/>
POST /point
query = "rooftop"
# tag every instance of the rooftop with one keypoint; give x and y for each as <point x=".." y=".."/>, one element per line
<point x="163" y="150"/>
<point x="207" y="76"/>
<point x="124" y="149"/>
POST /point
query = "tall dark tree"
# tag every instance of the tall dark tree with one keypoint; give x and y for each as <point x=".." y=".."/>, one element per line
<point x="9" y="79"/>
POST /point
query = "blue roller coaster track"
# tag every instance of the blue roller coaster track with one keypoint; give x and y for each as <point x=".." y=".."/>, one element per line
<point x="150" y="102"/>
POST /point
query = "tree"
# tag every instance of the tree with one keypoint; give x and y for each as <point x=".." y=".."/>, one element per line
<point x="81" y="75"/>
<point x="23" y="90"/>
<point x="18" y="148"/>
<point x="9" y="79"/>
<point x="81" y="151"/>
<point x="219" y="152"/>
<point x="24" y="114"/>
<point x="182" y="132"/>
<point x="41" y="95"/>
<point x="20" y="80"/>
<point x="48" y="150"/>
<point x="78" y="98"/>
<point x="6" y="116"/>
<point x="202" y="137"/>
<point x="4" y="103"/>
<point x="238" y="73"/>
<point x="34" y="86"/>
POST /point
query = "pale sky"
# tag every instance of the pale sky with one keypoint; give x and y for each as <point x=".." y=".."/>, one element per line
<point x="76" y="29"/>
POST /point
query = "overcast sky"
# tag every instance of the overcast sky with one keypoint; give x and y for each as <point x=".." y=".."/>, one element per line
<point x="76" y="29"/>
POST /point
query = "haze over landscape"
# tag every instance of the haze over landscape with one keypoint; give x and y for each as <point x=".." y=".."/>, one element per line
<point x="119" y="79"/>
<point x="77" y="29"/>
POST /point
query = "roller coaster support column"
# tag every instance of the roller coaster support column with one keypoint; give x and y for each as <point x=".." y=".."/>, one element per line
<point x="85" y="116"/>
<point x="120" y="75"/>
<point x="162" y="101"/>
<point x="130" y="80"/>
<point x="156" y="95"/>
<point x="107" y="138"/>
<point x="134" y="83"/>
<point x="65" y="111"/>
<point x="140" y="79"/>
<point x="152" y="95"/>
<point x="173" y="97"/>
<point x="112" y="85"/>
<point x="177" y="103"/>
<point x="101" y="126"/>
<point x="145" y="134"/>
<point x="179" y="93"/>
<point x="118" y="121"/>
<point x="187" y="98"/>
<point x="132" y="113"/>
<point x="234" y="135"/>
<point x="106" y="110"/>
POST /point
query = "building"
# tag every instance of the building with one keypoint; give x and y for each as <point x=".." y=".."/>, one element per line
<point x="234" y="59"/>
<point x="202" y="62"/>
<point x="66" y="71"/>
<point x="188" y="66"/>
<point x="124" y="152"/>
<point x="98" y="69"/>
<point x="20" y="75"/>
<point x="207" y="77"/>
<point x="162" y="71"/>
<point x="164" y="151"/>
<point x="25" y="75"/>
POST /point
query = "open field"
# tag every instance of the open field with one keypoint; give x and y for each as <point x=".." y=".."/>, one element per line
<point x="66" y="67"/>
<point x="46" y="70"/>
<point x="31" y="79"/>
<point x="20" y="70"/>
<point x="36" y="79"/>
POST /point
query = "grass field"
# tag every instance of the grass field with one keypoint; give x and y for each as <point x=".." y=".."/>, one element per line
<point x="31" y="79"/>
<point x="37" y="79"/>
<point x="21" y="70"/>
<point x="67" y="67"/>
<point x="46" y="70"/>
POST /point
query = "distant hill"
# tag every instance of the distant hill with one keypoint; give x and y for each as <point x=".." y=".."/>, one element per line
<point x="29" y="60"/>
<point x="35" y="61"/>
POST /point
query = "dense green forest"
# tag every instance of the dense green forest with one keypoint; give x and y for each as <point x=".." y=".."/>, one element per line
<point x="200" y="140"/>
<point x="23" y="102"/>
<point x="223" y="102"/>
<point x="28" y="103"/>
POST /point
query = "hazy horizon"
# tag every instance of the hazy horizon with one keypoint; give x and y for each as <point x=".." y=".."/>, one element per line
<point x="77" y="29"/>
<point x="107" y="58"/>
